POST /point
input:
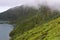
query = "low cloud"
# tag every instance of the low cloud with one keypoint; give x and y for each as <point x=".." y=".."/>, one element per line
<point x="55" y="4"/>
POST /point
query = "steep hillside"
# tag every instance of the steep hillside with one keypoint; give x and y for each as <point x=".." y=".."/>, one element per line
<point x="34" y="23"/>
<point x="47" y="31"/>
<point x="30" y="21"/>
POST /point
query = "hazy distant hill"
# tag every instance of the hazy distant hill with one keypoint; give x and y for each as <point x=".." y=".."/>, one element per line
<point x="17" y="12"/>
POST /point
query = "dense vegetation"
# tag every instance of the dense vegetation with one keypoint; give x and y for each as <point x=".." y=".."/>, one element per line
<point x="47" y="31"/>
<point x="33" y="24"/>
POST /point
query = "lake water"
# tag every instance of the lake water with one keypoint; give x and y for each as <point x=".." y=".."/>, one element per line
<point x="5" y="29"/>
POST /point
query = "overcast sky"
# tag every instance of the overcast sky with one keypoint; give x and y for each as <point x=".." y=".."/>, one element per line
<point x="6" y="4"/>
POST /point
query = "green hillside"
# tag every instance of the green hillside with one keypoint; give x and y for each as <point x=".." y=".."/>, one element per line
<point x="32" y="23"/>
<point x="47" y="31"/>
<point x="36" y="25"/>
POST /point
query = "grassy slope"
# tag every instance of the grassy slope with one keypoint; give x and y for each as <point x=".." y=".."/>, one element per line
<point x="28" y="26"/>
<point x="48" y="31"/>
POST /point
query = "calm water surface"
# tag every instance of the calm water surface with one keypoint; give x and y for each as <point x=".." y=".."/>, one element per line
<point x="5" y="29"/>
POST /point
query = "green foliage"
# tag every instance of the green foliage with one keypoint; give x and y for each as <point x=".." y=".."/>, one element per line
<point x="47" y="31"/>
